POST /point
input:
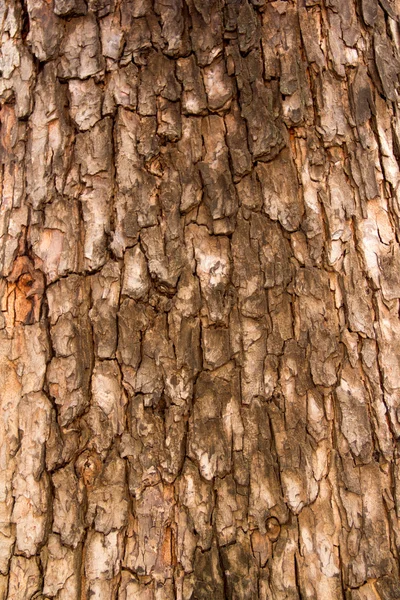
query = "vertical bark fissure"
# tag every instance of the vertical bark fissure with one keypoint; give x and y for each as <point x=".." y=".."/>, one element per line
<point x="199" y="358"/>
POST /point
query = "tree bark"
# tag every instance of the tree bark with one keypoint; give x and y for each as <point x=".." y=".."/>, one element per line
<point x="199" y="354"/>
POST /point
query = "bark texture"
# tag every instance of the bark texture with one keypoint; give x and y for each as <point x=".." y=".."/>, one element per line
<point x="199" y="327"/>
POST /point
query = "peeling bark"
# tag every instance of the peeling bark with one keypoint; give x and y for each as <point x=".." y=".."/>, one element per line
<point x="199" y="261"/>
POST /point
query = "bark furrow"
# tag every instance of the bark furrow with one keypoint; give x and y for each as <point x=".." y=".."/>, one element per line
<point x="200" y="285"/>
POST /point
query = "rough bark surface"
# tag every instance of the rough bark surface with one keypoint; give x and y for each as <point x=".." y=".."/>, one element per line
<point x="199" y="343"/>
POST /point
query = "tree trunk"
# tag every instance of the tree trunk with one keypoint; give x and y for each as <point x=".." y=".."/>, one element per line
<point x="199" y="356"/>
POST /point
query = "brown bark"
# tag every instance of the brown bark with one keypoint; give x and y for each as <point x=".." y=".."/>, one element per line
<point x="199" y="354"/>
